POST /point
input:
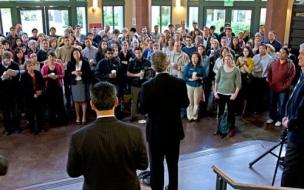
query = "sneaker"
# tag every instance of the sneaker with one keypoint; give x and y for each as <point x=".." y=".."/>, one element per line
<point x="278" y="124"/>
<point x="269" y="121"/>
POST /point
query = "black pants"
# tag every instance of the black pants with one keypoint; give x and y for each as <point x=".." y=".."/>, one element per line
<point x="225" y="99"/>
<point x="294" y="166"/>
<point x="11" y="115"/>
<point x="34" y="110"/>
<point x="260" y="94"/>
<point x="57" y="114"/>
<point x="158" y="152"/>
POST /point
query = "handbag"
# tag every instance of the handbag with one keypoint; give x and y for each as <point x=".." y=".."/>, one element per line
<point x="223" y="124"/>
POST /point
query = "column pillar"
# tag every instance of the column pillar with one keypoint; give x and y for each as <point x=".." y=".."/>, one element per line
<point x="277" y="16"/>
<point x="141" y="14"/>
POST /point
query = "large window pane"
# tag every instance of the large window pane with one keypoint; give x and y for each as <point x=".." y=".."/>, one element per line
<point x="193" y="16"/>
<point x="155" y="16"/>
<point x="165" y="17"/>
<point x="263" y="16"/>
<point x="82" y="19"/>
<point x="118" y="17"/>
<point x="31" y="19"/>
<point x="58" y="19"/>
<point x="215" y="17"/>
<point x="240" y="20"/>
<point x="108" y="15"/>
<point x="6" y="19"/>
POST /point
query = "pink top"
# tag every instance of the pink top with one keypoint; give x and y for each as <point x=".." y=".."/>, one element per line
<point x="59" y="70"/>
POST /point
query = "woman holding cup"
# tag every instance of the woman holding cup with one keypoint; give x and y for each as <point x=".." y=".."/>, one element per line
<point x="193" y="75"/>
<point x="52" y="72"/>
<point x="79" y="73"/>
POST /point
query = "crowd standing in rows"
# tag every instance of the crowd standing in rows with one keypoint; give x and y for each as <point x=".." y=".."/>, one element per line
<point x="50" y="72"/>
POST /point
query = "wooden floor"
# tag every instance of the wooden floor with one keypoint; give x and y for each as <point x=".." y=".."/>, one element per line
<point x="38" y="162"/>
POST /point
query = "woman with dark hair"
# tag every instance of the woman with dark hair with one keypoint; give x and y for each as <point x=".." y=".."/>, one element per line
<point x="80" y="75"/>
<point x="18" y="43"/>
<point x="168" y="49"/>
<point x="193" y="75"/>
<point x="52" y="72"/>
<point x="226" y="88"/>
<point x="208" y="78"/>
<point x="236" y="47"/>
<point x="245" y="63"/>
<point x="101" y="51"/>
<point x="19" y="59"/>
<point x="32" y="86"/>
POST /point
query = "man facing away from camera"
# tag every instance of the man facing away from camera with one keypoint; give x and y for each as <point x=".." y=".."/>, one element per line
<point x="107" y="152"/>
<point x="294" y="121"/>
<point x="162" y="99"/>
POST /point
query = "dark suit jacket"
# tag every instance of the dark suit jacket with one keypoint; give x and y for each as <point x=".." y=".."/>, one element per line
<point x="107" y="153"/>
<point x="162" y="99"/>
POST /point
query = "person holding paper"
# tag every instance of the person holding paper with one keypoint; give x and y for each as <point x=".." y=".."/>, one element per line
<point x="9" y="77"/>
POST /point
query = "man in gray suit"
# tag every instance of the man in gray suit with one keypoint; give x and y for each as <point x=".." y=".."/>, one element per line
<point x="107" y="152"/>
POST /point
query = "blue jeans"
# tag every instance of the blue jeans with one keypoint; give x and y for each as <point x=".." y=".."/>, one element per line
<point x="278" y="102"/>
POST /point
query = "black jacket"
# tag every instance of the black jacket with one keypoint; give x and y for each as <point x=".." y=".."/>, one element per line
<point x="104" y="68"/>
<point x="162" y="99"/>
<point x="27" y="85"/>
<point x="87" y="75"/>
<point x="9" y="88"/>
<point x="107" y="153"/>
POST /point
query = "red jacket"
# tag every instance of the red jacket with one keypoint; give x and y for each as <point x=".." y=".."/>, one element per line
<point x="59" y="70"/>
<point x="280" y="76"/>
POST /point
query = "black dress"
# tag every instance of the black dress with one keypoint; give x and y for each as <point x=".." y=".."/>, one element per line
<point x="54" y="97"/>
<point x="33" y="104"/>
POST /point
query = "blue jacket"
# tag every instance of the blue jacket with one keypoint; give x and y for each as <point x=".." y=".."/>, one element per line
<point x="189" y="69"/>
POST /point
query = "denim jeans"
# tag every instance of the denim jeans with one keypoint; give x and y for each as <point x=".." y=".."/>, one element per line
<point x="278" y="102"/>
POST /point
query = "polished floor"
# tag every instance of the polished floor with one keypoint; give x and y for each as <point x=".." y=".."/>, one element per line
<point x="38" y="162"/>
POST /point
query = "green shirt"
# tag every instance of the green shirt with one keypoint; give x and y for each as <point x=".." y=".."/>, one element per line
<point x="228" y="81"/>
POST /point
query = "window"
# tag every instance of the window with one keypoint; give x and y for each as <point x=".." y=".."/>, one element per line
<point x="113" y="16"/>
<point x="31" y="19"/>
<point x="82" y="19"/>
<point x="161" y="15"/>
<point x="6" y="19"/>
<point x="240" y="20"/>
<point x="58" y="19"/>
<point x="263" y="16"/>
<point x="215" y="17"/>
<point x="193" y="16"/>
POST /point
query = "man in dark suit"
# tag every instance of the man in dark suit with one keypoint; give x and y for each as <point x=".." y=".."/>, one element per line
<point x="162" y="99"/>
<point x="107" y="152"/>
<point x="292" y="175"/>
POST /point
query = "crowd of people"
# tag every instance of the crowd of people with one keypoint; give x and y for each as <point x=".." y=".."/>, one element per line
<point x="50" y="72"/>
<point x="43" y="75"/>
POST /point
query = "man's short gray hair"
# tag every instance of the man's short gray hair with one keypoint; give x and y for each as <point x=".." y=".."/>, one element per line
<point x="159" y="61"/>
<point x="302" y="46"/>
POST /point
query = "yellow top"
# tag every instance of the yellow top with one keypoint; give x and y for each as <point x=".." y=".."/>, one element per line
<point x="249" y="64"/>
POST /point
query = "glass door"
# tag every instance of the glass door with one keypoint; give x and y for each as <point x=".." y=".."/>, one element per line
<point x="215" y="17"/>
<point x="5" y="20"/>
<point x="241" y="20"/>
<point x="58" y="18"/>
<point x="31" y="18"/>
